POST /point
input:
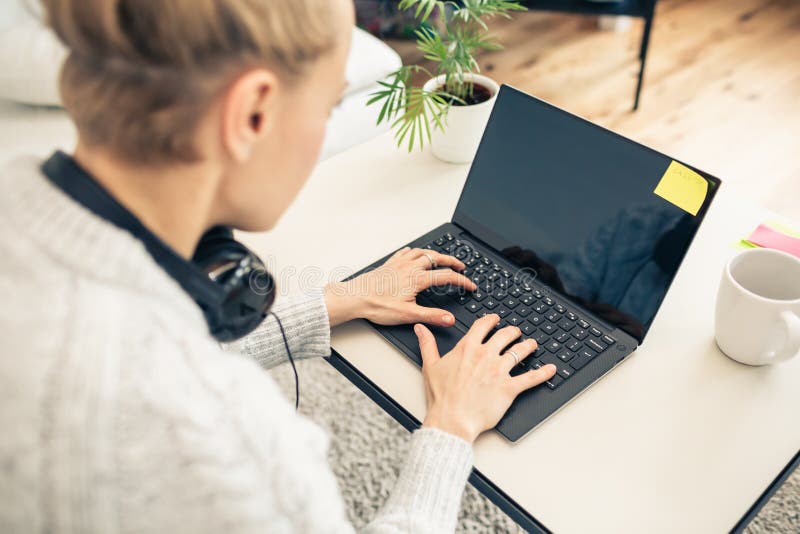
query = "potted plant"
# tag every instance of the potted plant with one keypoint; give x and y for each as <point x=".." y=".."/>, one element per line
<point x="451" y="109"/>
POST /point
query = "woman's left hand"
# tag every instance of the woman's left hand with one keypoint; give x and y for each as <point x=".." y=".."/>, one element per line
<point x="387" y="295"/>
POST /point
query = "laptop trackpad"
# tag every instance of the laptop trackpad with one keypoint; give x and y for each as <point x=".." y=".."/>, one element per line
<point x="446" y="339"/>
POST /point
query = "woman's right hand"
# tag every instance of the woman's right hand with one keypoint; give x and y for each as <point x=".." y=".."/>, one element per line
<point x="470" y="388"/>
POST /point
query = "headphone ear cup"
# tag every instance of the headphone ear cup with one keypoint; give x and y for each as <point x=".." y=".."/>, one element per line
<point x="216" y="246"/>
<point x="248" y="290"/>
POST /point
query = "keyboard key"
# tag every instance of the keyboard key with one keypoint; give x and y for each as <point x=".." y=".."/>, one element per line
<point x="566" y="355"/>
<point x="559" y="308"/>
<point x="580" y="361"/>
<point x="536" y="320"/>
<point x="554" y="382"/>
<point x="552" y="316"/>
<point x="514" y="319"/>
<point x="478" y="295"/>
<point x="503" y="312"/>
<point x="511" y="303"/>
<point x="596" y="345"/>
<point x="547" y="358"/>
<point x="496" y="267"/>
<point x="587" y="353"/>
<point x="499" y="294"/>
<point x="527" y="328"/>
<point x="537" y="293"/>
<point x="505" y="273"/>
<point x="523" y="311"/>
<point x="515" y="292"/>
<point x="486" y="261"/>
<point x="553" y="346"/>
<point x="541" y="338"/>
<point x="583" y="324"/>
<point x="595" y="332"/>
<point x="473" y="307"/>
<point x="540" y="308"/>
<point x="564" y="371"/>
<point x="518" y="369"/>
<point x="463" y="299"/>
<point x="574" y="345"/>
<point x="571" y="316"/>
<point x="548" y="301"/>
<point x="548" y="328"/>
<point x="607" y="339"/>
<point x="565" y="324"/>
<point x="448" y="236"/>
<point x="527" y="300"/>
<point x="463" y="315"/>
<point x="580" y="333"/>
<point x="563" y="337"/>
<point x="490" y="304"/>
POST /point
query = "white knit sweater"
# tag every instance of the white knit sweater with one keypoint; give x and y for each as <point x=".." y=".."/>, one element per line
<point x="119" y="413"/>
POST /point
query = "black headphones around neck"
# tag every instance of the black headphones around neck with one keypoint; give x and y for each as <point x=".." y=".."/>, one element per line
<point x="228" y="281"/>
<point x="247" y="290"/>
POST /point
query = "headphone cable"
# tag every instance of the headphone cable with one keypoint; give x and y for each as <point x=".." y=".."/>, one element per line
<point x="291" y="360"/>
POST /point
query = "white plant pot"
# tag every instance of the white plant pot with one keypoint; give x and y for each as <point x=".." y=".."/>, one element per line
<point x="464" y="125"/>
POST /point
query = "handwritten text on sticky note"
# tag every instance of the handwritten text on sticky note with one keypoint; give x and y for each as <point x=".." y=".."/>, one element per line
<point x="683" y="187"/>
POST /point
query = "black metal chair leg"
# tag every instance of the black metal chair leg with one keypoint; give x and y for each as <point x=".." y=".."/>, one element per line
<point x="648" y="24"/>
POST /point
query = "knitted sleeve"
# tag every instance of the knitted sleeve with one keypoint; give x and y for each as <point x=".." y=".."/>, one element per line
<point x="307" y="327"/>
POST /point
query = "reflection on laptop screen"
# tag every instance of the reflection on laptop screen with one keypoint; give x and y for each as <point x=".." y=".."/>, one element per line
<point x="576" y="204"/>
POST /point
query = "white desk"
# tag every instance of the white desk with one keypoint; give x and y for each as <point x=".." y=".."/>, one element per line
<point x="677" y="439"/>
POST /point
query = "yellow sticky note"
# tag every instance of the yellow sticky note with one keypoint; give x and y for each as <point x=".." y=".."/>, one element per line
<point x="683" y="187"/>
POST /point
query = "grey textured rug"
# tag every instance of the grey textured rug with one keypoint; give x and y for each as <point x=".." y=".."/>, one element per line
<point x="368" y="448"/>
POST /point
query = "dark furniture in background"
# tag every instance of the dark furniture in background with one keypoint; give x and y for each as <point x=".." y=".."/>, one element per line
<point x="633" y="8"/>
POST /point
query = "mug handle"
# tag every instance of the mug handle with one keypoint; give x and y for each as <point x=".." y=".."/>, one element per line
<point x="791" y="323"/>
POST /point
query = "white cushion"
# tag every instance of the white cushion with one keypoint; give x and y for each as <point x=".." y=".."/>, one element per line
<point x="352" y="123"/>
<point x="370" y="60"/>
<point x="30" y="61"/>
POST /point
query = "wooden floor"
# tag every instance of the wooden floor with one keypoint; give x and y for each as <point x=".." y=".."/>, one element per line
<point x="722" y="85"/>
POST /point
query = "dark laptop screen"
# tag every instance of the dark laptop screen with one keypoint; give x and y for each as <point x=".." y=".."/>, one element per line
<point x="576" y="204"/>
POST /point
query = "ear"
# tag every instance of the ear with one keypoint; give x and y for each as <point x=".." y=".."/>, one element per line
<point x="246" y="107"/>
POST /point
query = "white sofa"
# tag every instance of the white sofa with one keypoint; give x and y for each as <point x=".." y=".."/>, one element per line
<point x="32" y="122"/>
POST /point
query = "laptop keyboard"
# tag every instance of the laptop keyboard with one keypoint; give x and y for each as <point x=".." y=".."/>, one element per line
<point x="565" y="339"/>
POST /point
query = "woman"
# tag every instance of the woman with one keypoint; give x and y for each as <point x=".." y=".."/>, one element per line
<point x="121" y="413"/>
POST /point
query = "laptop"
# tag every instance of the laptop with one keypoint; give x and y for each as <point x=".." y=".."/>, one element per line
<point x="571" y="232"/>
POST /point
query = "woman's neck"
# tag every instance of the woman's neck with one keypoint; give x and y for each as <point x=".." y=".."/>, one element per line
<point x="175" y="202"/>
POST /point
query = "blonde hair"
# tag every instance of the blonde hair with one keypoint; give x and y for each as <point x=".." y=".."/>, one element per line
<point x="140" y="72"/>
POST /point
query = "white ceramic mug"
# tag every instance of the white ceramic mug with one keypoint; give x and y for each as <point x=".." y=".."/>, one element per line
<point x="758" y="307"/>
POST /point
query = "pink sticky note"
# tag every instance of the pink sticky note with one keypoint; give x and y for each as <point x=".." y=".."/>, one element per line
<point x="766" y="237"/>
